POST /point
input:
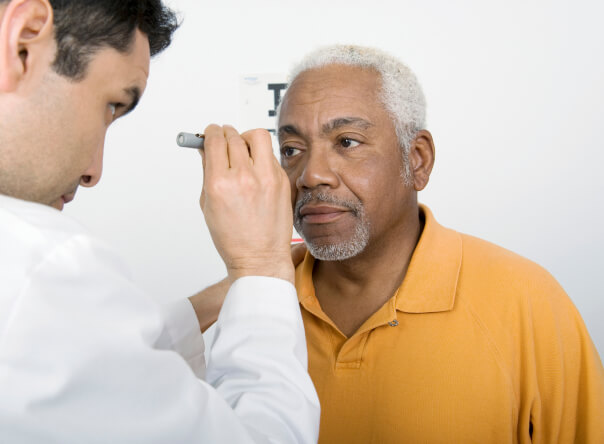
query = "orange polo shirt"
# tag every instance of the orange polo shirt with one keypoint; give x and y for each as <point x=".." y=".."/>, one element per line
<point x="478" y="345"/>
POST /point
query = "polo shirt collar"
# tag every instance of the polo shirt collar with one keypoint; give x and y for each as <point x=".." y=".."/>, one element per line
<point x="430" y="284"/>
<point x="306" y="287"/>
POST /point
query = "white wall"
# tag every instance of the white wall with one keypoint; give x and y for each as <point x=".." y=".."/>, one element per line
<point x="515" y="98"/>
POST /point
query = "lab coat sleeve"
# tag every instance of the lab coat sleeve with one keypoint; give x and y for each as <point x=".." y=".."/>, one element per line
<point x="83" y="358"/>
<point x="182" y="335"/>
<point x="261" y="360"/>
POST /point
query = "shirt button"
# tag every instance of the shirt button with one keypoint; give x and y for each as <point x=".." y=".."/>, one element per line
<point x="393" y="323"/>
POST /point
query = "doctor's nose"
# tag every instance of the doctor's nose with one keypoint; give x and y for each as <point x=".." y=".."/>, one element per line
<point x="93" y="173"/>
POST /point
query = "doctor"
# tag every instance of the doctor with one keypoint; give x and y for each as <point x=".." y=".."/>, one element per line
<point x="85" y="356"/>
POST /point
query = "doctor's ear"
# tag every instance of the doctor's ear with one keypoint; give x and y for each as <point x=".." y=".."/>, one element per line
<point x="27" y="42"/>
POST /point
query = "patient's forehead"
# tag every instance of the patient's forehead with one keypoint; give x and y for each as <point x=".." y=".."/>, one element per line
<point x="333" y="91"/>
<point x="334" y="80"/>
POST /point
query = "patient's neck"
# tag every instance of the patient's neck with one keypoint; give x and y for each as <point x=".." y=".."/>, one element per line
<point x="350" y="291"/>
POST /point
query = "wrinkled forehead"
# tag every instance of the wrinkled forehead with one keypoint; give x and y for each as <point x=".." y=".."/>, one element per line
<point x="333" y="90"/>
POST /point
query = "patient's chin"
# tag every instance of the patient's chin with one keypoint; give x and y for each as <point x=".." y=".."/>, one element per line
<point x="339" y="250"/>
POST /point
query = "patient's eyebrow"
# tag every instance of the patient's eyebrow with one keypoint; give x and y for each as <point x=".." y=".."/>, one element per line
<point x="328" y="127"/>
<point x="289" y="130"/>
<point x="339" y="122"/>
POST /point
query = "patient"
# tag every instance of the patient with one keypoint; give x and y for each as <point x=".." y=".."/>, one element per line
<point x="415" y="332"/>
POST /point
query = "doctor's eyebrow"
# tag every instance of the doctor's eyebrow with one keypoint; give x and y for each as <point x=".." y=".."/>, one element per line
<point x="134" y="93"/>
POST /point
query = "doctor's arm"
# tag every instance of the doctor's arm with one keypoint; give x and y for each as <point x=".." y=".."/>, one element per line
<point x="208" y="302"/>
<point x="89" y="360"/>
<point x="87" y="357"/>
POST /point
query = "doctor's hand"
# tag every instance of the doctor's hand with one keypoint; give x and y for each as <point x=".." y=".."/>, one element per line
<point x="246" y="203"/>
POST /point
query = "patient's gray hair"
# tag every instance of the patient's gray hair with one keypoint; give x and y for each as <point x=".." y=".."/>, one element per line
<point x="401" y="93"/>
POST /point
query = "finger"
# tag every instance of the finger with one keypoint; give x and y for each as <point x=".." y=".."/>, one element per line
<point x="215" y="151"/>
<point x="202" y="198"/>
<point x="203" y="158"/>
<point x="298" y="253"/>
<point x="261" y="147"/>
<point x="239" y="155"/>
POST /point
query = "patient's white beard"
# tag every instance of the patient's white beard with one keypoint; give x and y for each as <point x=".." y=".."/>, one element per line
<point x="335" y="251"/>
<point x="343" y="250"/>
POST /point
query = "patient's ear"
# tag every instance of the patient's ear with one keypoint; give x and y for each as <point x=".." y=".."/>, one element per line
<point x="421" y="158"/>
<point x="27" y="42"/>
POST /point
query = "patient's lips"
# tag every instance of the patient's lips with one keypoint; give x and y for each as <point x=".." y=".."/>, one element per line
<point x="320" y="214"/>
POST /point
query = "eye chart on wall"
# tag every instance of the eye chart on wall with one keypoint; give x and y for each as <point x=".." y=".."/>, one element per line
<point x="260" y="95"/>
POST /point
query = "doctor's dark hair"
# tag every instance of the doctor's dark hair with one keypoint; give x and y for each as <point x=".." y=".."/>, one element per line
<point x="83" y="27"/>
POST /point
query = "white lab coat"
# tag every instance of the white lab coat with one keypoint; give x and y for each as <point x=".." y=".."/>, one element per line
<point x="86" y="357"/>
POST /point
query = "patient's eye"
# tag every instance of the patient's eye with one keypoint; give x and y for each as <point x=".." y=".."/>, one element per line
<point x="289" y="151"/>
<point x="349" y="143"/>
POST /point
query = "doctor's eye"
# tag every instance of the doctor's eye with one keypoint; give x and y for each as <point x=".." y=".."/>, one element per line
<point x="114" y="108"/>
